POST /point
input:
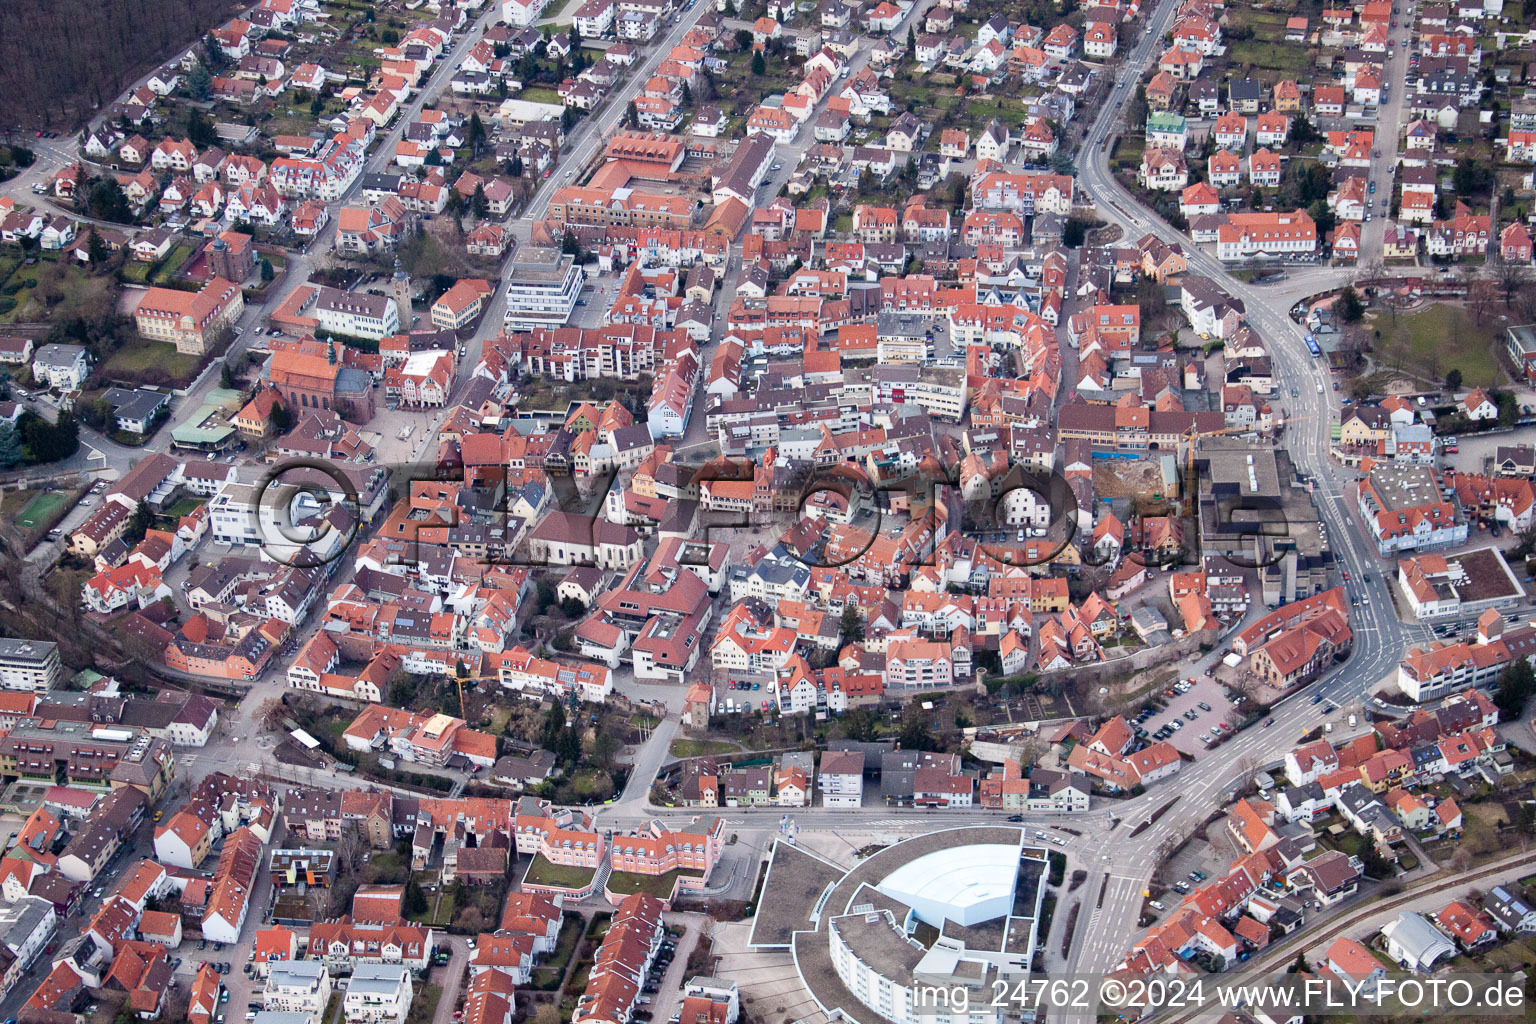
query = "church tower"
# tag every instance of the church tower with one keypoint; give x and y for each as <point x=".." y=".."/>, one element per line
<point x="400" y="291"/>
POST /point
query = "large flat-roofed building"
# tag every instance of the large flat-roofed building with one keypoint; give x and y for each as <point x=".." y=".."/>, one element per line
<point x="1404" y="509"/>
<point x="1253" y="512"/>
<point x="1521" y="343"/>
<point x="515" y="113"/>
<point x="939" y="391"/>
<point x="1456" y="586"/>
<point x="857" y="943"/>
<point x="542" y="288"/>
<point x="29" y="665"/>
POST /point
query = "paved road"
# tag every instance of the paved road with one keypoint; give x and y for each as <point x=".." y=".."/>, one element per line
<point x="1103" y="932"/>
<point x="453" y="975"/>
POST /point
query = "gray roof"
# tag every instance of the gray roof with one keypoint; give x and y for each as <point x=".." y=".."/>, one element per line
<point x="23" y="919"/>
<point x="1418" y="938"/>
<point x="35" y="651"/>
<point x="58" y="355"/>
<point x="134" y="403"/>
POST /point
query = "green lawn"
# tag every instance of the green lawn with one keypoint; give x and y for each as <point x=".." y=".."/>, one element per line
<point x="622" y="883"/>
<point x="184" y="507"/>
<point x="174" y="262"/>
<point x="701" y="748"/>
<point x="1437" y="339"/>
<point x="424" y="1004"/>
<point x="536" y="94"/>
<point x="41" y="509"/>
<point x="543" y="872"/>
<point x="547" y="978"/>
<point x="439" y="909"/>
<point x="150" y="362"/>
<point x="1291" y="60"/>
<point x="554" y="10"/>
<point x="34" y="513"/>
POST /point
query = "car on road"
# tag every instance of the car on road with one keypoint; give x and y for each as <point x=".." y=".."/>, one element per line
<point x="1317" y="698"/>
<point x="1269" y="722"/>
<point x="1015" y="817"/>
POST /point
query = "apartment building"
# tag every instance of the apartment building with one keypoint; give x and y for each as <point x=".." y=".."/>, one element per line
<point x="1244" y="236"/>
<point x="1425" y="673"/>
<point x="1404" y="510"/>
<point x="542" y="288"/>
<point x="346" y="945"/>
<point x="298" y="986"/>
<point x="29" y="665"/>
<point x="378" y="994"/>
<point x="434" y="740"/>
<point x="841" y="778"/>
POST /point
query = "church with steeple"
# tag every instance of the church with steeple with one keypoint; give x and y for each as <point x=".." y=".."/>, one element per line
<point x="312" y="375"/>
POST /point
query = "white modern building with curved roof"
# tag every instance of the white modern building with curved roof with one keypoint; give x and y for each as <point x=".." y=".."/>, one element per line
<point x="954" y="911"/>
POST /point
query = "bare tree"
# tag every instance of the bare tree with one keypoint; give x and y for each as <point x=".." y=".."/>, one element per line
<point x="1480" y="296"/>
<point x="349" y="849"/>
<point x="1373" y="269"/>
<point x="1247" y="767"/>
<point x="1511" y="276"/>
<point x="272" y="713"/>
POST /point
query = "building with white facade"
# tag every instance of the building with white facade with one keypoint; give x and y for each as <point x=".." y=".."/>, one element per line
<point x="542" y="289"/>
<point x="378" y="994"/>
<point x="29" y="665"/>
<point x="965" y="884"/>
<point x="358" y="314"/>
<point x="1403" y="509"/>
<point x="298" y="986"/>
<point x="841" y="778"/>
<point x="1458" y="586"/>
<point x="64" y="367"/>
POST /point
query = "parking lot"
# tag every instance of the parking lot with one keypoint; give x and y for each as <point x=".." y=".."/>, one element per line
<point x="740" y="696"/>
<point x="653" y="1001"/>
<point x="1190" y="716"/>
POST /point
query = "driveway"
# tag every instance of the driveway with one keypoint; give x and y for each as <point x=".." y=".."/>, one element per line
<point x="667" y="1000"/>
<point x="450" y="977"/>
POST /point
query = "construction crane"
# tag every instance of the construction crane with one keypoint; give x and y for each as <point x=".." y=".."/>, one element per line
<point x="1190" y="436"/>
